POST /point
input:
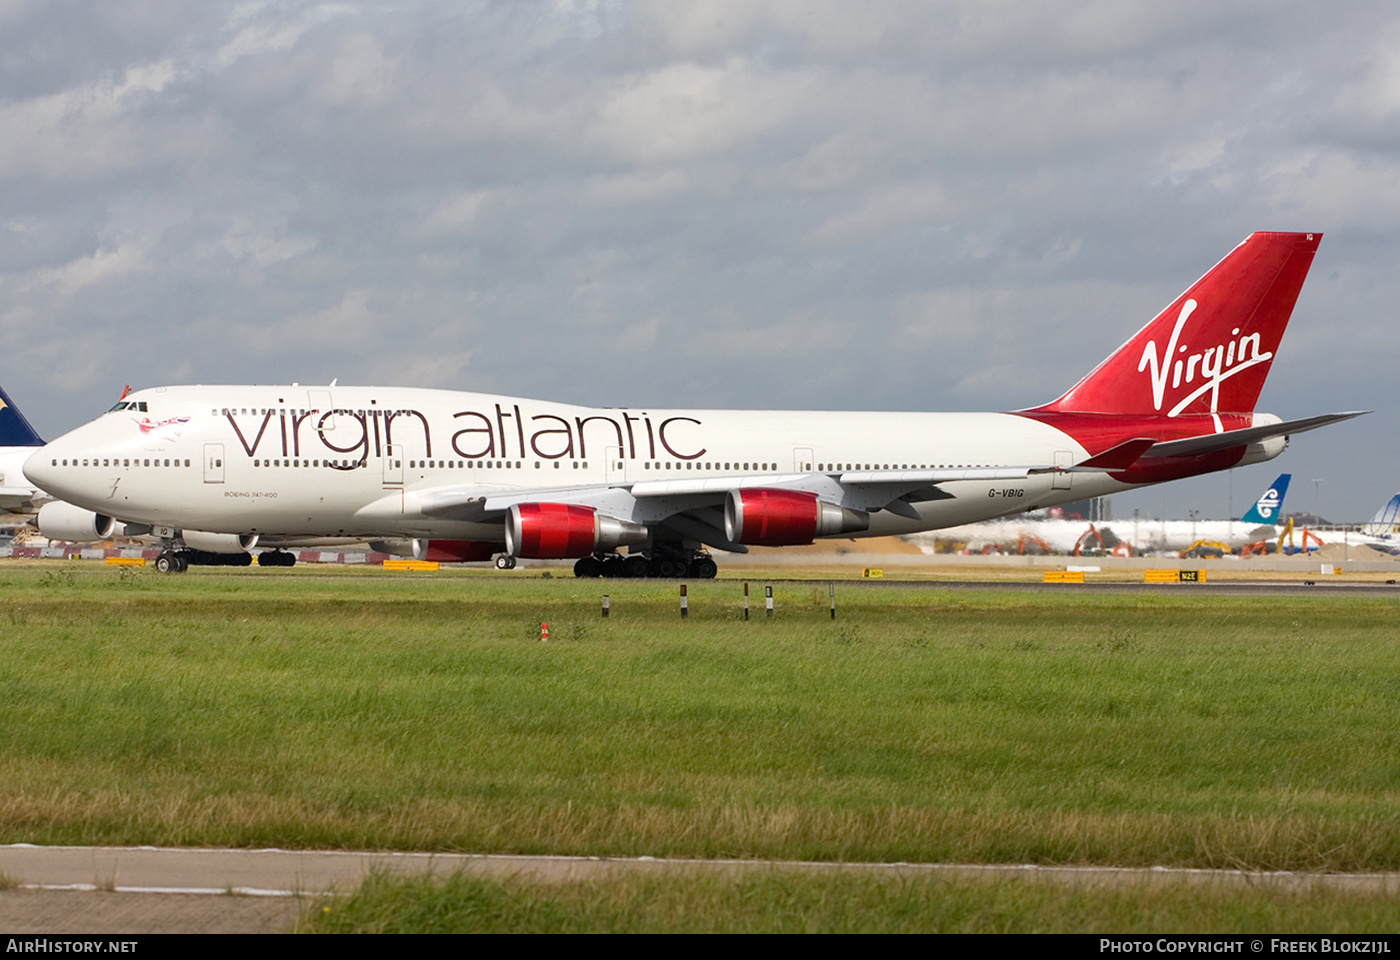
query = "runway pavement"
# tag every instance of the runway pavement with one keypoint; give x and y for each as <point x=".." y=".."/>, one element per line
<point x="110" y="890"/>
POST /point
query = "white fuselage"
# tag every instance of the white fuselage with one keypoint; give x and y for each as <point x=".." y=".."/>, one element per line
<point x="373" y="462"/>
<point x="1141" y="535"/>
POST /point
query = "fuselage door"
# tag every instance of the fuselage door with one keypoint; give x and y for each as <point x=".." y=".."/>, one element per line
<point x="393" y="465"/>
<point x="802" y="459"/>
<point x="617" y="467"/>
<point x="319" y="402"/>
<point x="213" y="463"/>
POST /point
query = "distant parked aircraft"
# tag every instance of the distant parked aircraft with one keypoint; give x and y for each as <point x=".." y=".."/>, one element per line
<point x="18" y="441"/>
<point x="1139" y="536"/>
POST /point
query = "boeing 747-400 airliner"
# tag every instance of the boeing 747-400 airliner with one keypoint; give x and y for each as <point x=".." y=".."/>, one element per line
<point x="469" y="476"/>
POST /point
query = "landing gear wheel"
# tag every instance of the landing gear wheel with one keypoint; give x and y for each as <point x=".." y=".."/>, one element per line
<point x="170" y="562"/>
<point x="588" y="567"/>
<point x="182" y="563"/>
<point x="635" y="566"/>
<point x="505" y="562"/>
<point x="703" y="568"/>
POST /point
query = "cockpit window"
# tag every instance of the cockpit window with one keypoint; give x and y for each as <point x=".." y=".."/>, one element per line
<point x="119" y="406"/>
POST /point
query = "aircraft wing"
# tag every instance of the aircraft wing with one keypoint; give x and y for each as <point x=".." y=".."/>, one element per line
<point x="868" y="490"/>
<point x="694" y="506"/>
<point x="667" y="500"/>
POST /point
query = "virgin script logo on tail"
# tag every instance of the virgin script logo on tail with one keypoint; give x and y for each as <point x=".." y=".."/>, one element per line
<point x="1210" y="367"/>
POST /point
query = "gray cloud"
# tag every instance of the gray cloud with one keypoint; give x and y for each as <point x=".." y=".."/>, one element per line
<point x="880" y="205"/>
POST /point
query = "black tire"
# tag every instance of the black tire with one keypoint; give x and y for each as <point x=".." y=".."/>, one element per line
<point x="166" y="563"/>
<point x="588" y="568"/>
<point x="505" y="562"/>
<point x="634" y="566"/>
<point x="703" y="568"/>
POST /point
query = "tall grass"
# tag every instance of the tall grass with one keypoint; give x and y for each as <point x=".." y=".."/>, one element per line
<point x="922" y="725"/>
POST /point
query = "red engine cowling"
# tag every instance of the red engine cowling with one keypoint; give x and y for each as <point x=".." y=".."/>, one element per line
<point x="560" y="531"/>
<point x="454" y="551"/>
<point x="783" y="518"/>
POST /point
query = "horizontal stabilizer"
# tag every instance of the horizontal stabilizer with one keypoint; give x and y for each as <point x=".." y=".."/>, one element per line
<point x="1215" y="442"/>
<point x="1112" y="460"/>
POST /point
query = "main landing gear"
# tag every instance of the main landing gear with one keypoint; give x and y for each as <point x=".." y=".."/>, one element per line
<point x="178" y="561"/>
<point x="171" y="562"/>
<point x="699" y="566"/>
<point x="505" y="562"/>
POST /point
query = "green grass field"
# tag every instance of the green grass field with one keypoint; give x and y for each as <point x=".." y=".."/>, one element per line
<point x="335" y="709"/>
<point x="784" y="902"/>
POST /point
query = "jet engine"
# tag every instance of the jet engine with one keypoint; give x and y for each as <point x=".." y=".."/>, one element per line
<point x="219" y="542"/>
<point x="59" y="520"/>
<point x="557" y="531"/>
<point x="780" y="518"/>
<point x="399" y="548"/>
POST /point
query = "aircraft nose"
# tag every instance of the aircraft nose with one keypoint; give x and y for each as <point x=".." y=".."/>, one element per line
<point x="38" y="469"/>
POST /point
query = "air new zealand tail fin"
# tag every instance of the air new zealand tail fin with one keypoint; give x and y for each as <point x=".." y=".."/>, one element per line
<point x="1268" y="509"/>
<point x="15" y="431"/>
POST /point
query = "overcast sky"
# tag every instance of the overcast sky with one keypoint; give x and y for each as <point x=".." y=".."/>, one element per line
<point x="860" y="205"/>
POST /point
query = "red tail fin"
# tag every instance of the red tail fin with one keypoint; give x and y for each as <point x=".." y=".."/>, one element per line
<point x="1210" y="351"/>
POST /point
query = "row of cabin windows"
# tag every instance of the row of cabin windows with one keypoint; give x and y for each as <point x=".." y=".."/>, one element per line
<point x="654" y="465"/>
<point x="506" y="464"/>
<point x="470" y="464"/>
<point x="119" y="463"/>
<point x="295" y="412"/>
<point x="896" y="466"/>
<point x="707" y="465"/>
<point x="337" y="464"/>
